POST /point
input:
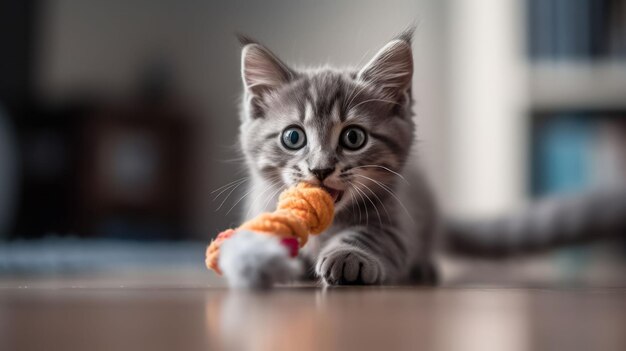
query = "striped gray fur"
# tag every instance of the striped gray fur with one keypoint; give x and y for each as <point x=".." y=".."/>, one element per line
<point x="386" y="224"/>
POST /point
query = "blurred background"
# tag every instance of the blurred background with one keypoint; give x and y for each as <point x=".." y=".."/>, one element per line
<point x="118" y="119"/>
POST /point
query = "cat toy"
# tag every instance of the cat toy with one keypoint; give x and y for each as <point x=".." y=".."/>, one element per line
<point x="260" y="251"/>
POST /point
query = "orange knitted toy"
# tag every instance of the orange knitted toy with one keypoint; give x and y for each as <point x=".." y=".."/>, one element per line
<point x="302" y="210"/>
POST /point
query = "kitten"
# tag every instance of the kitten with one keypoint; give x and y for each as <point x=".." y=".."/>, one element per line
<point x="352" y="132"/>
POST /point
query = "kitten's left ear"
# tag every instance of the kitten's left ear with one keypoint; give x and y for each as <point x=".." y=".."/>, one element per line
<point x="391" y="69"/>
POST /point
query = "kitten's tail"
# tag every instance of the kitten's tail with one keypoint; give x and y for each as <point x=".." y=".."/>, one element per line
<point x="546" y="224"/>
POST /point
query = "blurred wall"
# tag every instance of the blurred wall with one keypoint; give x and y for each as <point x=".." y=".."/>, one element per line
<point x="486" y="98"/>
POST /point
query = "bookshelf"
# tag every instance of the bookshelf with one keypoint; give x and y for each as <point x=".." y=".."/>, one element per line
<point x="577" y="94"/>
<point x="516" y="66"/>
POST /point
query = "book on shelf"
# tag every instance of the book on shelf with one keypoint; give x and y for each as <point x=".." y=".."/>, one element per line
<point x="576" y="29"/>
<point x="577" y="151"/>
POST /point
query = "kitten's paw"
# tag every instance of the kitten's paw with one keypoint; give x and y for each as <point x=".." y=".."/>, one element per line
<point x="349" y="267"/>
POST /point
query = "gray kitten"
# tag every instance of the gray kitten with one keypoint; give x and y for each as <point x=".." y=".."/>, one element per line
<point x="352" y="132"/>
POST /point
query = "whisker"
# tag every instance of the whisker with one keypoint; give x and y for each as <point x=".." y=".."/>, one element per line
<point x="354" y="200"/>
<point x="280" y="188"/>
<point x="274" y="183"/>
<point x="386" y="169"/>
<point x="248" y="193"/>
<point x="377" y="198"/>
<point x="373" y="205"/>
<point x="238" y="201"/>
<point x="226" y="189"/>
<point x="227" y="195"/>
<point x="387" y="189"/>
<point x="364" y="204"/>
<point x="237" y="159"/>
<point x="229" y="184"/>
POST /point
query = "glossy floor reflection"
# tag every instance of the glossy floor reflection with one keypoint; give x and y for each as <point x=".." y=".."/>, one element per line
<point x="158" y="317"/>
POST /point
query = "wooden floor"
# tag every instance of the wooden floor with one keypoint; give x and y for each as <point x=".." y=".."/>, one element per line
<point x="114" y="314"/>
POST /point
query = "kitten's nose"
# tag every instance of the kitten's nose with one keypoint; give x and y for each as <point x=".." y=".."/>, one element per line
<point x="322" y="173"/>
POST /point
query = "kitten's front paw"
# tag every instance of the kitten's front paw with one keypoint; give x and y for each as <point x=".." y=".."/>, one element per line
<point x="349" y="267"/>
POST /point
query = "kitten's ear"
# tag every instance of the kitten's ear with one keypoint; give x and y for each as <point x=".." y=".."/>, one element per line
<point x="261" y="70"/>
<point x="391" y="68"/>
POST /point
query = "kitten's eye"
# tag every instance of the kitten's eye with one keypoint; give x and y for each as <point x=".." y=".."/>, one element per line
<point x="353" y="138"/>
<point x="293" y="138"/>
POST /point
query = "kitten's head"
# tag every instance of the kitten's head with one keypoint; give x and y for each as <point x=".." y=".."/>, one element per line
<point x="347" y="130"/>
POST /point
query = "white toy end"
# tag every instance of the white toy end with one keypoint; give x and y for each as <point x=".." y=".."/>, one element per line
<point x="255" y="261"/>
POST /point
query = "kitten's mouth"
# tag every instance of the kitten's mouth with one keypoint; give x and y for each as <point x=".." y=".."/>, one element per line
<point x="334" y="193"/>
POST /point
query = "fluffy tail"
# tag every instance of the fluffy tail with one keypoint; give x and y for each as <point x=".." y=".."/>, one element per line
<point x="546" y="224"/>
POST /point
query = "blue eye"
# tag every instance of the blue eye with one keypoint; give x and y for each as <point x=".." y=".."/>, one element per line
<point x="353" y="138"/>
<point x="293" y="138"/>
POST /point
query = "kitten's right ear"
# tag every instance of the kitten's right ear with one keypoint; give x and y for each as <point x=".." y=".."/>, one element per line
<point x="391" y="69"/>
<point x="261" y="70"/>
